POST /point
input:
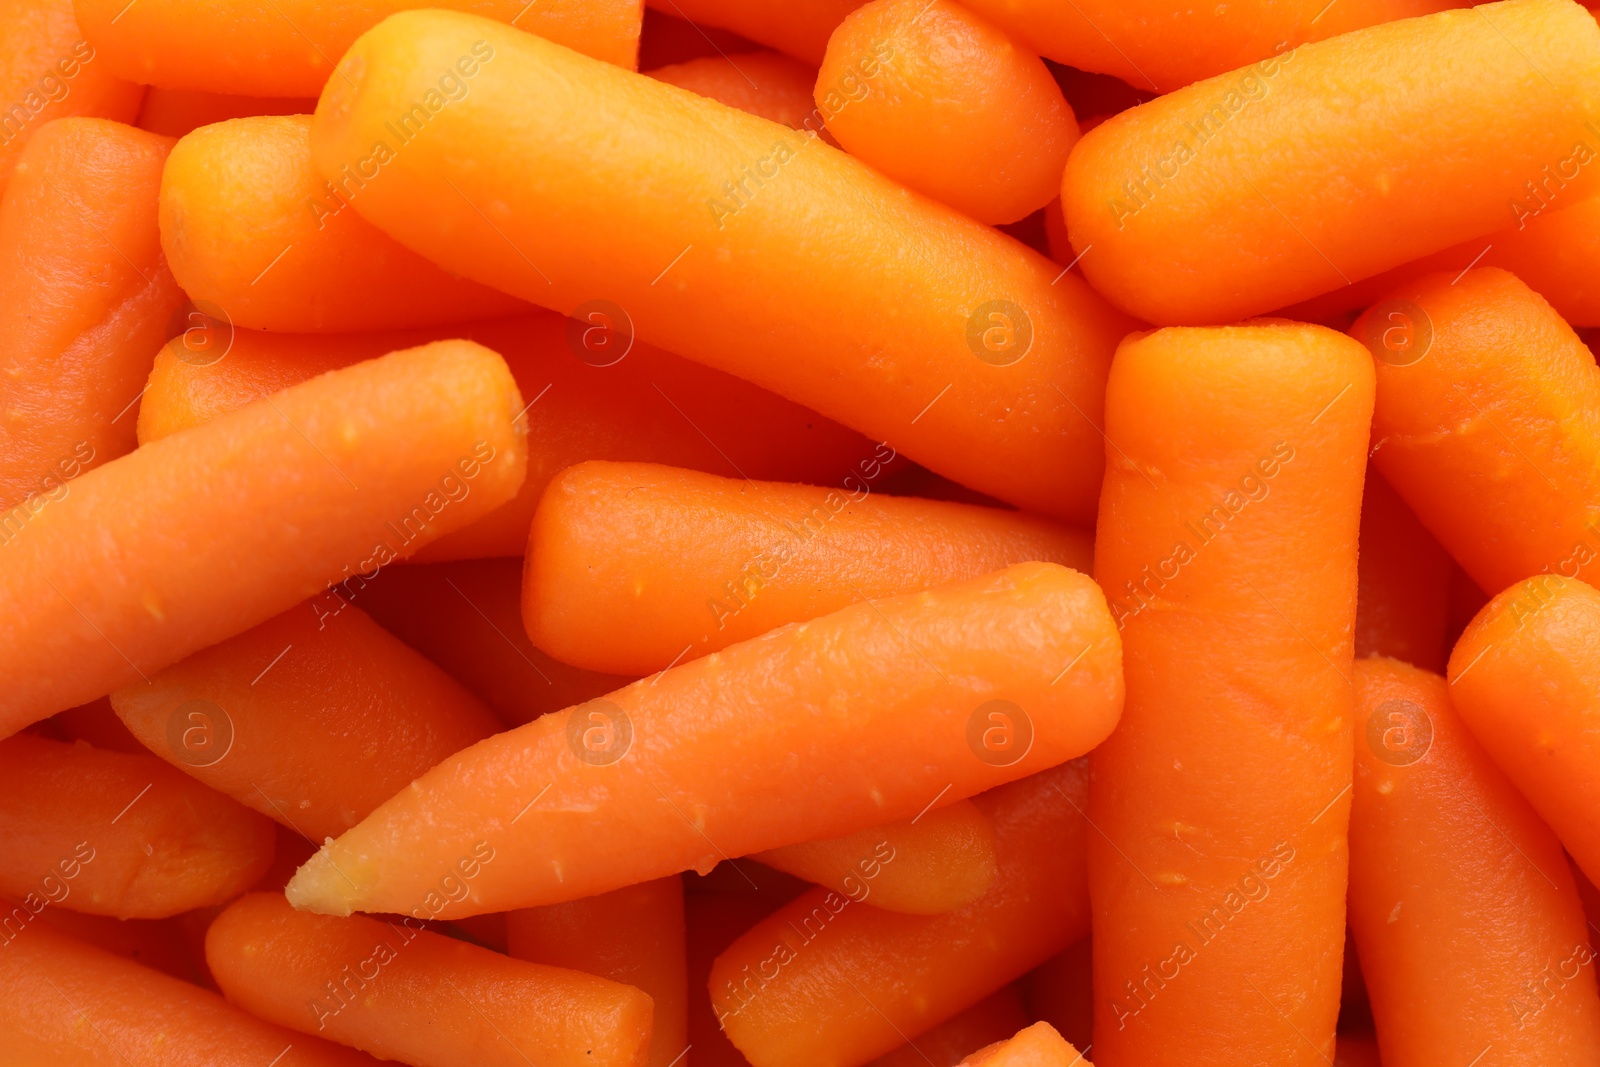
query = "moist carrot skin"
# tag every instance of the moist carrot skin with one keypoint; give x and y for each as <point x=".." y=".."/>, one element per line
<point x="633" y="935"/>
<point x="1231" y="508"/>
<point x="1339" y="194"/>
<point x="1036" y="1046"/>
<point x="84" y="298"/>
<point x="952" y="87"/>
<point x="301" y="491"/>
<point x="933" y="863"/>
<point x="769" y="84"/>
<point x="1403" y="582"/>
<point x="397" y="991"/>
<point x="992" y="1019"/>
<point x="1021" y="431"/>
<point x="1442" y="849"/>
<point x="745" y="556"/>
<point x="947" y="682"/>
<point x="174" y="844"/>
<point x="799" y="29"/>
<point x="909" y="972"/>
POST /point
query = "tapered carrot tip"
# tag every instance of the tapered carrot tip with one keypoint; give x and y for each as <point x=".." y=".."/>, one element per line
<point x="1037" y="1046"/>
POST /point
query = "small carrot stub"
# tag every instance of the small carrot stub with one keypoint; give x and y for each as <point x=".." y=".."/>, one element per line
<point x="768" y="84"/>
<point x="632" y="567"/>
<point x="119" y="834"/>
<point x="1037" y="1046"/>
<point x="900" y="701"/>
<point x="1442" y="848"/>
<point x="330" y="478"/>
<point x="399" y="992"/>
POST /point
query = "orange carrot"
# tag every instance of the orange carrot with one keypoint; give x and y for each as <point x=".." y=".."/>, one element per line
<point x="801" y="28"/>
<point x="346" y="472"/>
<point x="632" y="567"/>
<point x="237" y="715"/>
<point x="823" y="981"/>
<point x="1354" y="1051"/>
<point x="935" y="695"/>
<point x="84" y="298"/>
<point x="1061" y="992"/>
<point x="154" y="943"/>
<point x="767" y="84"/>
<point x="1403" y="582"/>
<point x="178" y="112"/>
<point x="400" y="992"/>
<point x="1037" y="1046"/>
<point x="633" y="935"/>
<point x="992" y="1019"/>
<point x="1219" y="905"/>
<point x="989" y="369"/>
<point x="110" y="833"/>
<point x="96" y="724"/>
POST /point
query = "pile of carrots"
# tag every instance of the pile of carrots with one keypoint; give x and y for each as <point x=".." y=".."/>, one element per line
<point x="799" y="533"/>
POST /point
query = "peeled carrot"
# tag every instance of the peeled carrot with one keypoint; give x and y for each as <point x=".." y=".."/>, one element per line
<point x="729" y="268"/>
<point x="992" y="1019"/>
<point x="64" y="1003"/>
<point x="921" y="88"/>
<point x="110" y="833"/>
<point x="85" y="297"/>
<point x="48" y="71"/>
<point x="801" y="28"/>
<point x="1219" y="905"/>
<point x="1403" y="582"/>
<point x="177" y="112"/>
<point x="825" y="981"/>
<point x="253" y="232"/>
<point x="237" y="716"/>
<point x="289" y="47"/>
<point x="936" y="862"/>
<point x="1442" y="849"/>
<point x="1037" y="1046"/>
<point x="1061" y="992"/>
<point x="632" y="935"/>
<point x="1488" y="424"/>
<point x="935" y="695"/>
<point x="327" y="479"/>
<point x="768" y="84"/>
<point x="400" y="992"/>
<point x="1299" y="196"/>
<point x="633" y="567"/>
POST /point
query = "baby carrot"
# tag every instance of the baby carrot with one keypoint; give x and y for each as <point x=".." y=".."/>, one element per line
<point x="1403" y="582"/>
<point x="951" y="87"/>
<point x="967" y="686"/>
<point x="178" y="112"/>
<point x="154" y="943"/>
<point x="84" y="299"/>
<point x="826" y="983"/>
<point x="988" y="365"/>
<point x="632" y="935"/>
<point x="113" y="833"/>
<point x="994" y="1018"/>
<point x="1219" y="908"/>
<point x="288" y="47"/>
<point x="1442" y="849"/>
<point x="1299" y="197"/>
<point x="330" y="478"/>
<point x="763" y="83"/>
<point x="237" y="715"/>
<point x="800" y="28"/>
<point x="1037" y="1046"/>
<point x="251" y="229"/>
<point x="64" y="1003"/>
<point x="936" y="862"/>
<point x="632" y="567"/>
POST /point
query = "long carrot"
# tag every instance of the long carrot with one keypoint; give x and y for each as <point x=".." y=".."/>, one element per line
<point x="1403" y="582"/>
<point x="1037" y="1046"/>
<point x="994" y="1018"/>
<point x="826" y="983"/>
<point x="1442" y="849"/>
<point x="965" y="686"/>
<point x="989" y="368"/>
<point x="85" y="297"/>
<point x="328" y="479"/>
<point x="633" y="935"/>
<point x="1219" y="874"/>
<point x="111" y="833"/>
<point x="1299" y="196"/>
<point x="768" y="84"/>
<point x="801" y="28"/>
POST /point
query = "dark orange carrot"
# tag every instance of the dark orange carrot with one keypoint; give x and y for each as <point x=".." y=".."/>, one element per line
<point x="994" y="1018"/>
<point x="1061" y="992"/>
<point x="1402" y="582"/>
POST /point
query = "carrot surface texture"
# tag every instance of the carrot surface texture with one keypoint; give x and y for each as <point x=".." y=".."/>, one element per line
<point x="967" y="351"/>
<point x="1219" y="874"/>
<point x="986" y="681"/>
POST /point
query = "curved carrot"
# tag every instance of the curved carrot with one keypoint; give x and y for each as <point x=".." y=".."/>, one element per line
<point x="1061" y="992"/>
<point x="632" y="567"/>
<point x="177" y="112"/>
<point x="1037" y="1046"/>
<point x="111" y="833"/>
<point x="992" y="1019"/>
<point x="288" y="47"/>
<point x="967" y="686"/>
<point x="1219" y="905"/>
<point x="936" y="862"/>
<point x="400" y="992"/>
<point x="1488" y="424"/>
<point x="768" y="84"/>
<point x="1249" y="191"/>
<point x="1442" y="849"/>
<point x="920" y="89"/>
<point x="1403" y="582"/>
<point x="251" y="230"/>
<point x="84" y="298"/>
<point x="237" y="716"/>
<point x="800" y="28"/>
<point x="824" y="981"/>
<point x="985" y="371"/>
<point x="326" y="480"/>
<point x="633" y="935"/>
